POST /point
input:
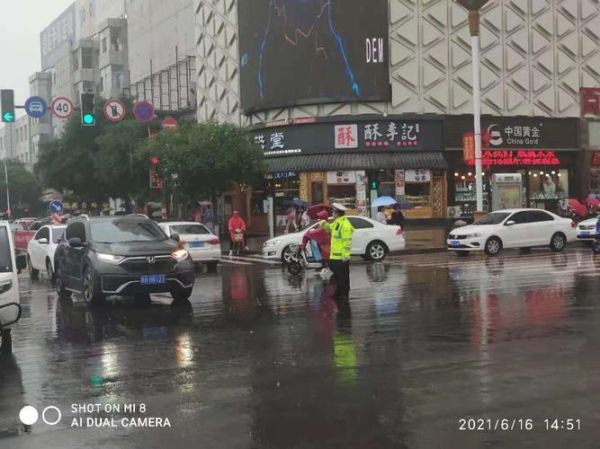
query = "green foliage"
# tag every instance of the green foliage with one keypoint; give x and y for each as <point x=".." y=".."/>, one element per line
<point x="206" y="158"/>
<point x="24" y="188"/>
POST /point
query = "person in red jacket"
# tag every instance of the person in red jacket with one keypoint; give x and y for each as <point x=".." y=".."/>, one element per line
<point x="320" y="236"/>
<point x="236" y="222"/>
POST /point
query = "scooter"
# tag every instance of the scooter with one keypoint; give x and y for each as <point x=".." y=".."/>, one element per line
<point x="303" y="259"/>
<point x="238" y="240"/>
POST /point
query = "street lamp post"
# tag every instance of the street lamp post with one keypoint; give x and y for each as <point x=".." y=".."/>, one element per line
<point x="473" y="6"/>
<point x="8" y="211"/>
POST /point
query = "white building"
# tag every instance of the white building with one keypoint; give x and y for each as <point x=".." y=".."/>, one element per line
<point x="162" y="53"/>
<point x="15" y="142"/>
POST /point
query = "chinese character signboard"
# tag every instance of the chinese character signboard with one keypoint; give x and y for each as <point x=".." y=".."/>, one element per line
<point x="590" y="101"/>
<point x="469" y="146"/>
<point x="329" y="136"/>
<point x="346" y="136"/>
<point x="515" y="132"/>
<point x="518" y="157"/>
<point x="417" y="176"/>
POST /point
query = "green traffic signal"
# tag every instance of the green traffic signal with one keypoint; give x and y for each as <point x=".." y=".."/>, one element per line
<point x="88" y="119"/>
<point x="7" y="104"/>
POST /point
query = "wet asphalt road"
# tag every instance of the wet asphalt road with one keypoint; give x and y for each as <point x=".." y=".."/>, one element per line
<point x="261" y="360"/>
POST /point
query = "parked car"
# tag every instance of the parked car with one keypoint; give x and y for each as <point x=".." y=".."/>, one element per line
<point x="371" y="240"/>
<point x="10" y="265"/>
<point x="41" y="249"/>
<point x="586" y="230"/>
<point x="513" y="228"/>
<point x="200" y="242"/>
<point x="121" y="255"/>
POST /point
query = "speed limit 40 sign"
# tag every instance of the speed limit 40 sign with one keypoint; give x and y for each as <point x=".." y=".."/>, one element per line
<point x="62" y="108"/>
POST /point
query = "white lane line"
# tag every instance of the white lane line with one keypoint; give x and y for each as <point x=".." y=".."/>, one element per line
<point x="253" y="259"/>
<point x="234" y="262"/>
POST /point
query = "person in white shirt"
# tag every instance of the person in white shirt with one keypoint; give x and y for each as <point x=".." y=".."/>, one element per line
<point x="380" y="217"/>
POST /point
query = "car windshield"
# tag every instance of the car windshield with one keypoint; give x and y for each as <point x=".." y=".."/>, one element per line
<point x="126" y="229"/>
<point x="189" y="229"/>
<point x="492" y="219"/>
<point x="57" y="234"/>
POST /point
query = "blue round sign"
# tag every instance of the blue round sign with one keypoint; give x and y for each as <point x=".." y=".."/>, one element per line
<point x="56" y="206"/>
<point x="36" y="107"/>
<point x="143" y="111"/>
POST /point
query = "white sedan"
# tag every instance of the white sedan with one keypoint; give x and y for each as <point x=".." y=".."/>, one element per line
<point x="371" y="240"/>
<point x="513" y="228"/>
<point x="41" y="248"/>
<point x="200" y="242"/>
<point x="586" y="230"/>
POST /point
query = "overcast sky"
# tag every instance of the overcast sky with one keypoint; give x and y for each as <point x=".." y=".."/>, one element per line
<point x="21" y="24"/>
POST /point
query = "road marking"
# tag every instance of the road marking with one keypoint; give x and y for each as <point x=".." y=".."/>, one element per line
<point x="234" y="262"/>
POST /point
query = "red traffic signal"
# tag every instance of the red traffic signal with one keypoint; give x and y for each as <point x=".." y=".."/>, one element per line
<point x="154" y="160"/>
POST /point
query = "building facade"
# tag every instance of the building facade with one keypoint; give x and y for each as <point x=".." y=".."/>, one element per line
<point x="287" y="71"/>
<point x="162" y="53"/>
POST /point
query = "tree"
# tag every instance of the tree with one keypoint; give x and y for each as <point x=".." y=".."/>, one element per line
<point x="24" y="188"/>
<point x="206" y="158"/>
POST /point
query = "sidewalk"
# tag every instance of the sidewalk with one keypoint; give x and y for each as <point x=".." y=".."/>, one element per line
<point x="419" y="239"/>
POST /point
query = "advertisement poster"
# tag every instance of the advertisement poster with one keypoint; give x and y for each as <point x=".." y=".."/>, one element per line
<point x="400" y="189"/>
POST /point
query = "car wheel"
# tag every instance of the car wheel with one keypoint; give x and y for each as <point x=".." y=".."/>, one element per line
<point x="33" y="273"/>
<point x="49" y="271"/>
<point x="493" y="246"/>
<point x="91" y="290"/>
<point x="376" y="251"/>
<point x="6" y="341"/>
<point x="596" y="246"/>
<point x="59" y="284"/>
<point x="287" y="254"/>
<point x="558" y="242"/>
<point x="211" y="267"/>
<point x="181" y="294"/>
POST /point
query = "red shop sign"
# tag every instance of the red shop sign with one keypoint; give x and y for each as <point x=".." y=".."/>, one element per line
<point x="596" y="159"/>
<point x="590" y="100"/>
<point x="518" y="157"/>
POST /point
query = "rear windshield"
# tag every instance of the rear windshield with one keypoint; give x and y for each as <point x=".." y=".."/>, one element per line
<point x="58" y="234"/>
<point x="126" y="229"/>
<point x="189" y="229"/>
<point x="5" y="253"/>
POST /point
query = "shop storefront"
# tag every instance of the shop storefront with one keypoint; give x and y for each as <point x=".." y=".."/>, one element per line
<point x="543" y="153"/>
<point x="594" y="145"/>
<point x="353" y="160"/>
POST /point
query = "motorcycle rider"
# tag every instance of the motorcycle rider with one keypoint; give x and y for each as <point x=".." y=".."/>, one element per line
<point x="236" y="224"/>
<point x="320" y="236"/>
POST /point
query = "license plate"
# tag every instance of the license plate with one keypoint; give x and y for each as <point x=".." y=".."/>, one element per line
<point x="153" y="279"/>
<point x="454" y="242"/>
<point x="584" y="233"/>
<point x="196" y="244"/>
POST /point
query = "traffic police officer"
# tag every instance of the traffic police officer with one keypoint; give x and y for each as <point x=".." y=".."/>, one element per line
<point x="341" y="231"/>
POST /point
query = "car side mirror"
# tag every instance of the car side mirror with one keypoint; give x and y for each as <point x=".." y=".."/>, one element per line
<point x="509" y="223"/>
<point x="43" y="241"/>
<point x="76" y="242"/>
<point x="21" y="262"/>
<point x="175" y="236"/>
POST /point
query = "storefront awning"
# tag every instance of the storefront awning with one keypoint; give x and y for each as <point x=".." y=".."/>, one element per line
<point x="357" y="161"/>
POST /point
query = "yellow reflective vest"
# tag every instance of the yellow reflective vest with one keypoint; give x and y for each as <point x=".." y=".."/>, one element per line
<point x="341" y="231"/>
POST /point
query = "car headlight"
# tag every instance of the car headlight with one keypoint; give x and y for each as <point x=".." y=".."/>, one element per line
<point x="473" y="235"/>
<point x="110" y="258"/>
<point x="271" y="243"/>
<point x="179" y="255"/>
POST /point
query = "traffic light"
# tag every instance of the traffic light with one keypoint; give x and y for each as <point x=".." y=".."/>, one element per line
<point x="8" y="105"/>
<point x="374" y="184"/>
<point x="88" y="117"/>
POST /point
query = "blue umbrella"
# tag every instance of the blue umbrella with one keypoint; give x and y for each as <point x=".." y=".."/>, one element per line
<point x="384" y="201"/>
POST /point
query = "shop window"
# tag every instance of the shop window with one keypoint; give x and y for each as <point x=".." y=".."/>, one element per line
<point x="317" y="192"/>
<point x="419" y="195"/>
<point x="548" y="184"/>
<point x="344" y="194"/>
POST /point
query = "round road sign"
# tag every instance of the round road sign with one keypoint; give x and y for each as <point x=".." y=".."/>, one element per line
<point x="62" y="108"/>
<point x="143" y="111"/>
<point x="114" y="110"/>
<point x="56" y="206"/>
<point x="36" y="107"/>
<point x="169" y="123"/>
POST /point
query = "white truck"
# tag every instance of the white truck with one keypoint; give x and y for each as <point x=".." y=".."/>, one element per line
<point x="10" y="266"/>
